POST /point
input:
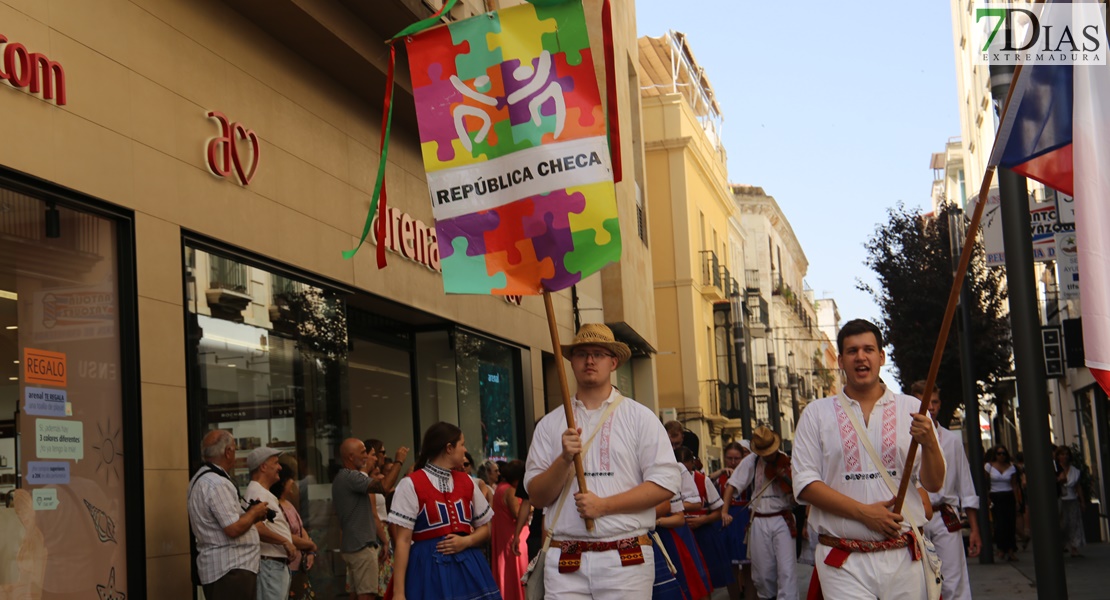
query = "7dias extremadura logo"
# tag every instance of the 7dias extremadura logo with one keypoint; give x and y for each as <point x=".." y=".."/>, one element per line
<point x="1053" y="33"/>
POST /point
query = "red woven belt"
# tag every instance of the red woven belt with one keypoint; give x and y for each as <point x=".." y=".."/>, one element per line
<point x="842" y="547"/>
<point x="570" y="556"/>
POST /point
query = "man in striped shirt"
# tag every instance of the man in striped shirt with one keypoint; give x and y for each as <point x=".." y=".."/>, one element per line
<point x="227" y="541"/>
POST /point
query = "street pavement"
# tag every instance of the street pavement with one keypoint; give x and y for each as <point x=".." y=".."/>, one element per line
<point x="1087" y="577"/>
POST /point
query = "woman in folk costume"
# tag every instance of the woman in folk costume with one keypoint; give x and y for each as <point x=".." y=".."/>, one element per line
<point x="441" y="519"/>
<point x="735" y="533"/>
<point x="678" y="541"/>
<point x="705" y="522"/>
<point x="509" y="560"/>
<point x="669" y="518"/>
<point x="666" y="586"/>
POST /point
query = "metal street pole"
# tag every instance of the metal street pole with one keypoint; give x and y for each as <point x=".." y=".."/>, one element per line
<point x="793" y="379"/>
<point x="972" y="430"/>
<point x="774" y="411"/>
<point x="1032" y="386"/>
<point x="741" y="366"/>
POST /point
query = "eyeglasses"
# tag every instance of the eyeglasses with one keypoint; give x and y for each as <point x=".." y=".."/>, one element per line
<point x="583" y="355"/>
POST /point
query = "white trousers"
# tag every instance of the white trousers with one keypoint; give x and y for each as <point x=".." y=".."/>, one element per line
<point x="601" y="577"/>
<point x="888" y="575"/>
<point x="953" y="562"/>
<point x="772" y="551"/>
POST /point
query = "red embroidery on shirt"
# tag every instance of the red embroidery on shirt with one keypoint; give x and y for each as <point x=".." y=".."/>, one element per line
<point x="849" y="442"/>
<point x="890" y="435"/>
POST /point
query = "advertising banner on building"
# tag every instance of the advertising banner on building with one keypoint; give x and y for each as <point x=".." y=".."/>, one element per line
<point x="1043" y="221"/>
<point x="513" y="136"/>
<point x="1067" y="265"/>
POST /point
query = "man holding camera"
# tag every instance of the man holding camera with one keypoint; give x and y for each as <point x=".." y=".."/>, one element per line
<point x="277" y="539"/>
<point x="226" y="538"/>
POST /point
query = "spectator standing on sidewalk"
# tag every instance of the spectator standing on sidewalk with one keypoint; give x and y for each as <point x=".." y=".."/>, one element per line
<point x="1071" y="503"/>
<point x="1005" y="496"/>
<point x="350" y="495"/>
<point x="277" y="538"/>
<point x="226" y="532"/>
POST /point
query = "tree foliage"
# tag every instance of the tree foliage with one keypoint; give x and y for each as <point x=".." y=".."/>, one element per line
<point x="912" y="257"/>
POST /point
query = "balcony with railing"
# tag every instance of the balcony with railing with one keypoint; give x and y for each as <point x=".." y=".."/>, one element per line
<point x="751" y="279"/>
<point x="760" y="377"/>
<point x="758" y="315"/>
<point x="714" y="278"/>
<point x="228" y="283"/>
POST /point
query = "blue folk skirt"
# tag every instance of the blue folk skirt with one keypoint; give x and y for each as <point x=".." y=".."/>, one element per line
<point x="714" y="549"/>
<point x="666" y="586"/>
<point x="434" y="576"/>
<point x="734" y="535"/>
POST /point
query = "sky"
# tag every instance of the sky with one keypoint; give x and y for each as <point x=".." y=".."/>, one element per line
<point x="834" y="109"/>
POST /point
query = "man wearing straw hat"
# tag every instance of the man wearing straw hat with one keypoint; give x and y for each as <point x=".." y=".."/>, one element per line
<point x="771" y="543"/>
<point x="865" y="550"/>
<point x="630" y="468"/>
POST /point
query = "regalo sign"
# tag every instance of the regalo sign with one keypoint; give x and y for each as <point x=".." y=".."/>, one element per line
<point x="513" y="136"/>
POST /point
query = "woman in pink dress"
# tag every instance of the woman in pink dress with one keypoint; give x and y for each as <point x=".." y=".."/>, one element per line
<point x="508" y="562"/>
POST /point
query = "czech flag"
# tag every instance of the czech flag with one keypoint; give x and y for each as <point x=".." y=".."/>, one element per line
<point x="1057" y="131"/>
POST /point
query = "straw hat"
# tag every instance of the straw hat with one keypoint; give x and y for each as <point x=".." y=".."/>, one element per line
<point x="765" y="442"/>
<point x="597" y="334"/>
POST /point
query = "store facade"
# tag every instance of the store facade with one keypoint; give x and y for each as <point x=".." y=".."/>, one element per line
<point x="178" y="189"/>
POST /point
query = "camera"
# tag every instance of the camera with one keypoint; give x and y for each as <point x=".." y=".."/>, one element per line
<point x="270" y="513"/>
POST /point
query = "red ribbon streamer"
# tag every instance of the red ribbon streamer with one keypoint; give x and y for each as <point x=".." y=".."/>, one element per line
<point x="379" y="235"/>
<point x="611" y="91"/>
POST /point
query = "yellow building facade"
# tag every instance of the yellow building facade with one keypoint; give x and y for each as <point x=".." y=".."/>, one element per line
<point x="689" y="206"/>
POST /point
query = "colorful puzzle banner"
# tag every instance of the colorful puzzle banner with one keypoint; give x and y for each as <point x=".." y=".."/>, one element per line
<point x="513" y="136"/>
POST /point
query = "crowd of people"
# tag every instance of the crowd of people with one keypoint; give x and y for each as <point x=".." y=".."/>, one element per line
<point x="650" y="523"/>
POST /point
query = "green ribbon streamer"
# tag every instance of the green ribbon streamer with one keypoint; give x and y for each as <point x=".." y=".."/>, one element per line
<point x="431" y="21"/>
<point x="380" y="180"/>
<point x="347" y="254"/>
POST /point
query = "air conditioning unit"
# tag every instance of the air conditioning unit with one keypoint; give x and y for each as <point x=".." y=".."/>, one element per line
<point x="668" y="414"/>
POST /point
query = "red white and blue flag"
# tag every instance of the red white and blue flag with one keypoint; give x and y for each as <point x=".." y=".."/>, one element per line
<point x="1057" y="131"/>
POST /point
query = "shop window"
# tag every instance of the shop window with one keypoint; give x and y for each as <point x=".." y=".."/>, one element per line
<point x="285" y="363"/>
<point x="63" y="443"/>
<point x="269" y="363"/>
<point x="489" y="395"/>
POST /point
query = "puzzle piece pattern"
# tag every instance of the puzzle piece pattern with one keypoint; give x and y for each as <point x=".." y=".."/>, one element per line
<point x="466" y="274"/>
<point x="548" y="241"/>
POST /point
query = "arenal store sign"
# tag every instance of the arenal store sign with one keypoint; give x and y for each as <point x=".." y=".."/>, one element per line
<point x="416" y="241"/>
<point x="32" y="70"/>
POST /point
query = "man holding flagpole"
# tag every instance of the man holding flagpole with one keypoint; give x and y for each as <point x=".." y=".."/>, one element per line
<point x="865" y="550"/>
<point x="630" y="468"/>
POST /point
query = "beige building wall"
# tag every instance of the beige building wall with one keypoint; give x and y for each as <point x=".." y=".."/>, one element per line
<point x="977" y="120"/>
<point x="794" y="339"/>
<point x="141" y="76"/>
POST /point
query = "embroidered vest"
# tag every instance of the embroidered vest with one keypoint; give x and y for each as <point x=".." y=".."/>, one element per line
<point x="699" y="482"/>
<point x="443" y="513"/>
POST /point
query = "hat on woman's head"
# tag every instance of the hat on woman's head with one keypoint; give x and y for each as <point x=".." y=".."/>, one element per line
<point x="765" y="442"/>
<point x="597" y="334"/>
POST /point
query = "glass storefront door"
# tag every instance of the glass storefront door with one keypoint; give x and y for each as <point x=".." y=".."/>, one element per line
<point x="63" y="515"/>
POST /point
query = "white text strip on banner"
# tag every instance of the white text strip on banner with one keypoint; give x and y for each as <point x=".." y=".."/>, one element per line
<point x="489" y="184"/>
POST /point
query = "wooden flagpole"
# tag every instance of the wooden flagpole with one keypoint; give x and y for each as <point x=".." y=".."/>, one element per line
<point x="579" y="469"/>
<point x="953" y="301"/>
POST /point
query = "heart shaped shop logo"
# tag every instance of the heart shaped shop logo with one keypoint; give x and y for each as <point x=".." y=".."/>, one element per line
<point x="248" y="135"/>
